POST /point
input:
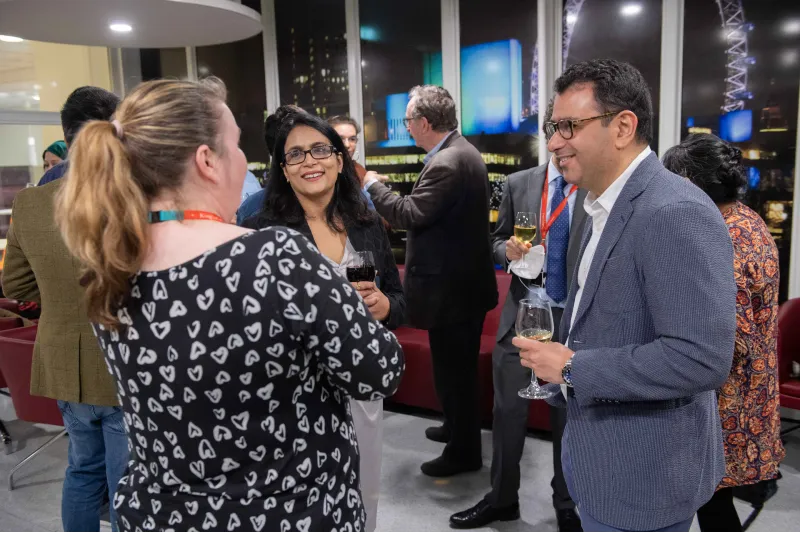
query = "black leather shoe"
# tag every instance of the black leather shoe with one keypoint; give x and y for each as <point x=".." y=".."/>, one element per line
<point x="438" y="434"/>
<point x="441" y="467"/>
<point x="568" y="520"/>
<point x="483" y="514"/>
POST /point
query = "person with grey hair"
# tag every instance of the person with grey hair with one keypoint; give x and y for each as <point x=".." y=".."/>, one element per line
<point x="450" y="282"/>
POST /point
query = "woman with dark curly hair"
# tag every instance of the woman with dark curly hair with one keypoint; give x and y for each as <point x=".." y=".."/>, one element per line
<point x="313" y="188"/>
<point x="748" y="401"/>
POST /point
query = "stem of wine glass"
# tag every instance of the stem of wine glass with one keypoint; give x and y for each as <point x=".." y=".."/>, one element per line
<point x="534" y="382"/>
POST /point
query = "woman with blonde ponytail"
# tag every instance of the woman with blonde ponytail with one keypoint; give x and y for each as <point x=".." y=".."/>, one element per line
<point x="234" y="352"/>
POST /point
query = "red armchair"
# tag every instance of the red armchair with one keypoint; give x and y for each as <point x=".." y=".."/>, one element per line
<point x="16" y="355"/>
<point x="789" y="351"/>
<point x="6" y="323"/>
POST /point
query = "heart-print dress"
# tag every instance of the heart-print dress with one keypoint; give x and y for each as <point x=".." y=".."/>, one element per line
<point x="234" y="371"/>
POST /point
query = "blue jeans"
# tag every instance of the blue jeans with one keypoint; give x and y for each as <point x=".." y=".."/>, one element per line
<point x="98" y="456"/>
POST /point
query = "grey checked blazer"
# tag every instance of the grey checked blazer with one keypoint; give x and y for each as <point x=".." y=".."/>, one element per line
<point x="654" y="337"/>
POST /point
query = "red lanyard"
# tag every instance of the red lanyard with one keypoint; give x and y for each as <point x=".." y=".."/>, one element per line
<point x="545" y="224"/>
<point x="167" y="216"/>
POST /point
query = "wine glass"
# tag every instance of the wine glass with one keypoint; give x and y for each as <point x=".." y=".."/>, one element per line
<point x="361" y="267"/>
<point x="535" y="321"/>
<point x="525" y="226"/>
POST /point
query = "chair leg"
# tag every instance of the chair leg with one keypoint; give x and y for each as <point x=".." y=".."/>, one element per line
<point x="31" y="456"/>
<point x="788" y="430"/>
<point x="752" y="517"/>
<point x="4" y="436"/>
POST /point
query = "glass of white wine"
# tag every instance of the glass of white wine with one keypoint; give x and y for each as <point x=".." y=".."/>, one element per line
<point x="534" y="321"/>
<point x="525" y="226"/>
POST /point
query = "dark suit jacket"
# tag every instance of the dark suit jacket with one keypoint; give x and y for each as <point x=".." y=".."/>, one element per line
<point x="370" y="237"/>
<point x="523" y="192"/>
<point x="449" y="270"/>
<point x="67" y="361"/>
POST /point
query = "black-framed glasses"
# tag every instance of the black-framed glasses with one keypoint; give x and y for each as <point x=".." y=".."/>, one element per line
<point x="297" y="156"/>
<point x="407" y="120"/>
<point x="566" y="127"/>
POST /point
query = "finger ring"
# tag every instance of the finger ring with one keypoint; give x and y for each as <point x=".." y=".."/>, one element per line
<point x="358" y="285"/>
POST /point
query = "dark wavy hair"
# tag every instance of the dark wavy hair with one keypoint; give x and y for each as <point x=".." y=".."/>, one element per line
<point x="272" y="124"/>
<point x="617" y="86"/>
<point x="710" y="163"/>
<point x="348" y="206"/>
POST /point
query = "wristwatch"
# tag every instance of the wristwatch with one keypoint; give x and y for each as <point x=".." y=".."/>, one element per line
<point x="566" y="372"/>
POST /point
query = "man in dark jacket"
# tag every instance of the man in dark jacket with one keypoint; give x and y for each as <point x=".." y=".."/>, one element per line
<point x="450" y="282"/>
<point x="82" y="105"/>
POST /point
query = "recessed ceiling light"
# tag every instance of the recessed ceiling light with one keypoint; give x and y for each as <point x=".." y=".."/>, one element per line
<point x="120" y="27"/>
<point x="791" y="27"/>
<point x="631" y="10"/>
<point x="10" y="39"/>
<point x="572" y="18"/>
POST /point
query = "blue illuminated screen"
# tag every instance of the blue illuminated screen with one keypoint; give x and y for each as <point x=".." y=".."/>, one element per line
<point x="395" y="113"/>
<point x="491" y="87"/>
<point x="753" y="178"/>
<point x="736" y="126"/>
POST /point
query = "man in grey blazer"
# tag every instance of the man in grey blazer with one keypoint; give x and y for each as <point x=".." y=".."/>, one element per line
<point x="649" y="325"/>
<point x="524" y="192"/>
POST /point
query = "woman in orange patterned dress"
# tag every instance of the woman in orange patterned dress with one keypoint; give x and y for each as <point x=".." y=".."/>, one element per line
<point x="748" y="401"/>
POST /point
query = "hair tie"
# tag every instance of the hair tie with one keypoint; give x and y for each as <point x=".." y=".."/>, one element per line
<point x="117" y="128"/>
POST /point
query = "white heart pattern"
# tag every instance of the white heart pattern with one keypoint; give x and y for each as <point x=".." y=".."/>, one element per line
<point x="231" y="334"/>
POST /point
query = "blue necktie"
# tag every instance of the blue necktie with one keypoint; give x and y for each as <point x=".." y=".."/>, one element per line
<point x="558" y="240"/>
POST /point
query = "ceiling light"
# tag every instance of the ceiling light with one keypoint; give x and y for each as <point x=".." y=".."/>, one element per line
<point x="791" y="27"/>
<point x="36" y="97"/>
<point x="572" y="18"/>
<point x="120" y="27"/>
<point x="10" y="39"/>
<point x="788" y="58"/>
<point x="631" y="10"/>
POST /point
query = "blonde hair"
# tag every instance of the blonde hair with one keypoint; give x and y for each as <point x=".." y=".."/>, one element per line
<point x="117" y="168"/>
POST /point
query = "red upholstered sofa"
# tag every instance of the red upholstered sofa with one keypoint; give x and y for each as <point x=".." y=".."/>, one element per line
<point x="417" y="390"/>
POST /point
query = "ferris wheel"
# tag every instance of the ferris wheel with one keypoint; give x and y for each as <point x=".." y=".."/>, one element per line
<point x="735" y="29"/>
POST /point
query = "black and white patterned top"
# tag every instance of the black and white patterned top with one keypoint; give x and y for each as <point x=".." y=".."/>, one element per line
<point x="233" y="372"/>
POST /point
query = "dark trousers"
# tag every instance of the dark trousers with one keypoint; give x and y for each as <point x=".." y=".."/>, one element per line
<point x="510" y="427"/>
<point x="719" y="514"/>
<point x="454" y="351"/>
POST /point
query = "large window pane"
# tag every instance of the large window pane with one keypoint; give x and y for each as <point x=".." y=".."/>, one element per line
<point x="241" y="66"/>
<point x="498" y="109"/>
<point x="163" y="63"/>
<point x="401" y="46"/>
<point x="740" y="81"/>
<point x="37" y="76"/>
<point x="618" y="29"/>
<point x="312" y="55"/>
<point x="21" y="150"/>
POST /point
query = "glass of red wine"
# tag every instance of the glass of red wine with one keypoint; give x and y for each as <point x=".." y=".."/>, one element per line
<point x="361" y="268"/>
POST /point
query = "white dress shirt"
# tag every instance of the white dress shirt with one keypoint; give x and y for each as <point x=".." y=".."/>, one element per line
<point x="552" y="176"/>
<point x="598" y="208"/>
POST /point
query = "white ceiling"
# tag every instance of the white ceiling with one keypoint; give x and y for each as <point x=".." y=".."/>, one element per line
<point x="156" y="23"/>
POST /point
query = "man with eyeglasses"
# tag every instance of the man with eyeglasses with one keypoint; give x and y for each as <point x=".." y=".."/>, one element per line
<point x="541" y="190"/>
<point x="450" y="282"/>
<point x="649" y="325"/>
